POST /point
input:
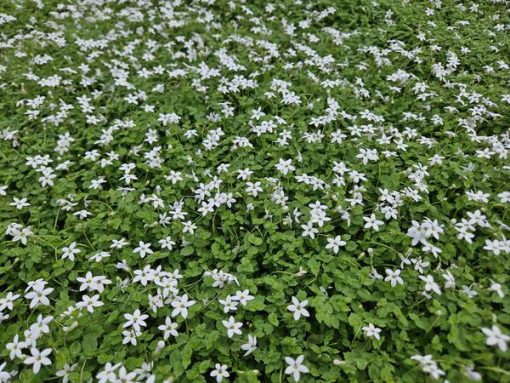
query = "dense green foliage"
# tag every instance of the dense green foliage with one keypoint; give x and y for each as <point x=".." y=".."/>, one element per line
<point x="245" y="191"/>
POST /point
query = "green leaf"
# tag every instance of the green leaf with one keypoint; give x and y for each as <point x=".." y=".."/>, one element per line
<point x="186" y="355"/>
<point x="253" y="239"/>
<point x="273" y="319"/>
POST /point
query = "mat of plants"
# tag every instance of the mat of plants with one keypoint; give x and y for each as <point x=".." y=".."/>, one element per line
<point x="254" y="191"/>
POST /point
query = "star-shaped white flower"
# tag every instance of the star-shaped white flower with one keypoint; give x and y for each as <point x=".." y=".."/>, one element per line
<point x="298" y="308"/>
<point x="219" y="372"/>
<point x="232" y="326"/>
<point x="250" y="346"/>
<point x="70" y="251"/>
<point x="335" y="244"/>
<point x="38" y="359"/>
<point x="143" y="249"/>
<point x="169" y="328"/>
<point x="136" y="320"/>
<point x="496" y="337"/>
<point x="372" y="331"/>
<point x="180" y="305"/>
<point x="296" y="367"/>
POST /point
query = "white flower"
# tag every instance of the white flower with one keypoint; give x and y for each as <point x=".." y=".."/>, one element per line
<point x="372" y="222"/>
<point x="91" y="283"/>
<point x="167" y="243"/>
<point x="232" y="327"/>
<point x="309" y="230"/>
<point x="229" y="304"/>
<point x="375" y="275"/>
<point x="285" y="166"/>
<point x="430" y="284"/>
<point x="129" y="336"/>
<point x="118" y="243"/>
<point x="64" y="373"/>
<point x="504" y="196"/>
<point x="372" y="331"/>
<point x="82" y="214"/>
<point x="19" y="233"/>
<point x="189" y="227"/>
<point x="393" y="277"/>
<point x="468" y="290"/>
<point x="4" y="375"/>
<point x="8" y="301"/>
<point x="219" y="372"/>
<point x="180" y="305"/>
<point x="38" y="295"/>
<point x="253" y="188"/>
<point x="471" y="374"/>
<point x="296" y="367"/>
<point x="143" y="249"/>
<point x="168" y="118"/>
<point x="417" y="233"/>
<point x="433" y="370"/>
<point x="169" y="328"/>
<point x="124" y="376"/>
<point x="429" y="248"/>
<point x="19" y="203"/>
<point x="298" y="308"/>
<point x="449" y="280"/>
<point x="496" y="337"/>
<point x="243" y="297"/>
<point x="144" y="276"/>
<point x="497" y="288"/>
<point x="90" y="303"/>
<point x="38" y="359"/>
<point x="335" y="243"/>
<point x="136" y="320"/>
<point x="70" y="251"/>
<point x="15" y="348"/>
<point x="41" y="326"/>
<point x="108" y="373"/>
<point x="98" y="257"/>
<point x="250" y="346"/>
<point x="429" y="366"/>
<point x="494" y="246"/>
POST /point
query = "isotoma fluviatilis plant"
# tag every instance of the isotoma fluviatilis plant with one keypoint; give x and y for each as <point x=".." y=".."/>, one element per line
<point x="239" y="191"/>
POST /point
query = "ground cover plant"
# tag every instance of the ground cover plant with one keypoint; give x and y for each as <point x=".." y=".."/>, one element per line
<point x="251" y="191"/>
